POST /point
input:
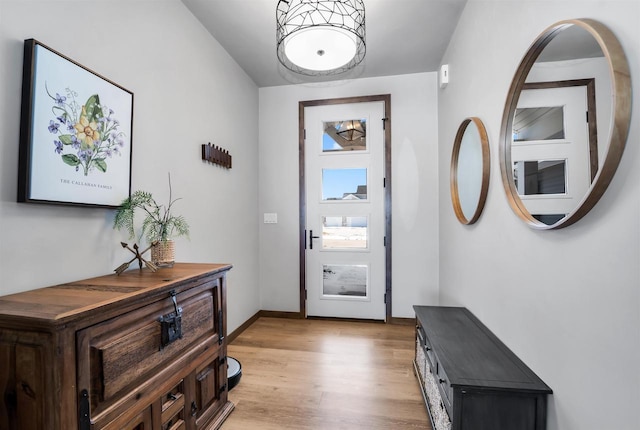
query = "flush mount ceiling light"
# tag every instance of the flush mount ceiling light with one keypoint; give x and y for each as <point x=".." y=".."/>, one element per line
<point x="320" y="37"/>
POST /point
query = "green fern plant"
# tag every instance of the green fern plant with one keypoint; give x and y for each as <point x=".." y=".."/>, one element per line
<point x="158" y="224"/>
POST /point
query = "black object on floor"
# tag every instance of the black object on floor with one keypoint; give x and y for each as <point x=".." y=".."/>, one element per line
<point x="234" y="372"/>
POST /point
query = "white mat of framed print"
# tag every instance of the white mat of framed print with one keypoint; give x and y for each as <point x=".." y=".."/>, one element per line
<point x="75" y="133"/>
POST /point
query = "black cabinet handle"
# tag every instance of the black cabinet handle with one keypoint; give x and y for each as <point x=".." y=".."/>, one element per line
<point x="442" y="381"/>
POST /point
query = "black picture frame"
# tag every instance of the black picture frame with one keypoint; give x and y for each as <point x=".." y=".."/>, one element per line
<point x="75" y="133"/>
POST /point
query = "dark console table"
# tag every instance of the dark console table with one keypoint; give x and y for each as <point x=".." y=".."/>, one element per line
<point x="469" y="379"/>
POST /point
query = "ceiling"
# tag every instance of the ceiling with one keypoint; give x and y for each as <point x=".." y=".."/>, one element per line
<point x="402" y="36"/>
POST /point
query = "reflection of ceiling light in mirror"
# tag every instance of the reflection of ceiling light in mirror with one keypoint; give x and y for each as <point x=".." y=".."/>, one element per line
<point x="320" y="37"/>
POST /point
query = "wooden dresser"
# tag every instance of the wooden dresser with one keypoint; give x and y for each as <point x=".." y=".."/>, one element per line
<point x="469" y="379"/>
<point x="142" y="350"/>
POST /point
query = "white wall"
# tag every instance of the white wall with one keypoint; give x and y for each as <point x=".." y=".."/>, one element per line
<point x="568" y="301"/>
<point x="187" y="91"/>
<point x="414" y="181"/>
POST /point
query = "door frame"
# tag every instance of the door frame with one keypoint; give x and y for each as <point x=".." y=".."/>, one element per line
<point x="386" y="99"/>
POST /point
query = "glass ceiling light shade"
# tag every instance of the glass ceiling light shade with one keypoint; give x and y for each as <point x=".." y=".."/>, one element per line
<point x="351" y="130"/>
<point x="320" y="37"/>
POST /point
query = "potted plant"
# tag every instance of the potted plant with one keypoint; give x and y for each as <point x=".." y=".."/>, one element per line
<point x="159" y="224"/>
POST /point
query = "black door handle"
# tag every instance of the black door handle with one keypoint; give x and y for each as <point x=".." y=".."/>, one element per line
<point x="311" y="237"/>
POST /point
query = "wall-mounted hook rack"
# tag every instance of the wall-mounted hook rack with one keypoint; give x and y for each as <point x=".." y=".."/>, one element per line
<point x="216" y="155"/>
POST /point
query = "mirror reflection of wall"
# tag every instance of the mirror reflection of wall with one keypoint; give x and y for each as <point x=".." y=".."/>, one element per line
<point x="470" y="170"/>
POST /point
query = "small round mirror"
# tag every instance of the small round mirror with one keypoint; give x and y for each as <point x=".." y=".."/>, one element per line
<point x="470" y="170"/>
<point x="565" y="123"/>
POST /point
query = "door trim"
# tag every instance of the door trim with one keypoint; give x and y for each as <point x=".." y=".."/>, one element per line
<point x="386" y="99"/>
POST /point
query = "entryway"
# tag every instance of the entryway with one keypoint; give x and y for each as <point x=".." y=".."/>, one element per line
<point x="345" y="214"/>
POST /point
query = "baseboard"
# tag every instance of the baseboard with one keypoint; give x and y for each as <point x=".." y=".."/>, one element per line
<point x="358" y="320"/>
<point x="299" y="315"/>
<point x="237" y="332"/>
<point x="402" y="321"/>
<point x="279" y="314"/>
<point x="260" y="314"/>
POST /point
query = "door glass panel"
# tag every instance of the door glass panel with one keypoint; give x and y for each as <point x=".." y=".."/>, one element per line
<point x="539" y="123"/>
<point x="540" y="177"/>
<point x="344" y="232"/>
<point x="344" y="184"/>
<point x="344" y="280"/>
<point x="349" y="135"/>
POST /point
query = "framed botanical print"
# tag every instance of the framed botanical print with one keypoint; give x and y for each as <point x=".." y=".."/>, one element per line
<point x="75" y="133"/>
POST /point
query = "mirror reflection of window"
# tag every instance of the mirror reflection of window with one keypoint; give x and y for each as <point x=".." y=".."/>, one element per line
<point x="540" y="177"/>
<point x="539" y="123"/>
<point x="348" y="135"/>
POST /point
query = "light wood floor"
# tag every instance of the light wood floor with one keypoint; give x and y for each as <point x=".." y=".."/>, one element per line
<point x="319" y="374"/>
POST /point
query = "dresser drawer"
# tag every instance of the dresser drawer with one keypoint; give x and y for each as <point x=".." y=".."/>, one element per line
<point x="444" y="386"/>
<point x="118" y="354"/>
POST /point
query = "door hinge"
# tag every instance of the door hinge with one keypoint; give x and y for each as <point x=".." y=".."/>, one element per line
<point x="384" y="122"/>
<point x="587" y="114"/>
<point x="385" y="298"/>
<point x="305" y="294"/>
<point x="304" y="133"/>
<point x="384" y="241"/>
<point x="384" y="182"/>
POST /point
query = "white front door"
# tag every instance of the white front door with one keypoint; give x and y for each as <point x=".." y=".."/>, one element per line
<point x="344" y="179"/>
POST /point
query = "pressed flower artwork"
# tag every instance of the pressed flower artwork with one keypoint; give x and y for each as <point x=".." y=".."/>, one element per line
<point x="75" y="139"/>
<point x="85" y="135"/>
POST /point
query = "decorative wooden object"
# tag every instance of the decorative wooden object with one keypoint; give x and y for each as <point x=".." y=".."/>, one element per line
<point x="469" y="379"/>
<point x="137" y="256"/>
<point x="216" y="155"/>
<point x="140" y="350"/>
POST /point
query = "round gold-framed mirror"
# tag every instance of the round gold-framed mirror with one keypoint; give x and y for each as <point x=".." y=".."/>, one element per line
<point x="565" y="123"/>
<point x="470" y="165"/>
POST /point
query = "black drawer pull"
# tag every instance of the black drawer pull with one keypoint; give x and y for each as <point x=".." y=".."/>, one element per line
<point x="442" y="381"/>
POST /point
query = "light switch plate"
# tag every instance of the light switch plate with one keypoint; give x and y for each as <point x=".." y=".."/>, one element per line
<point x="270" y="218"/>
